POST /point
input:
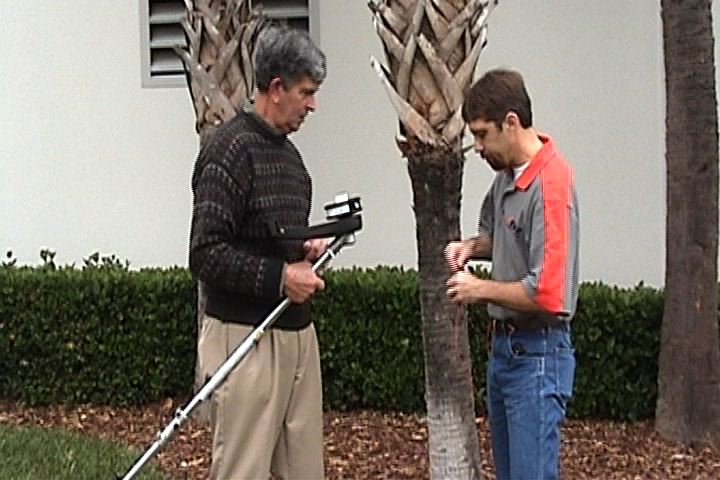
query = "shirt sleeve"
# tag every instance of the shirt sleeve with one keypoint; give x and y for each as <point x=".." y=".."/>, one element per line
<point x="552" y="278"/>
<point x="217" y="256"/>
<point x="486" y="222"/>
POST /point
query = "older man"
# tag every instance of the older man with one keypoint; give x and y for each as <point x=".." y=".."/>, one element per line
<point x="268" y="414"/>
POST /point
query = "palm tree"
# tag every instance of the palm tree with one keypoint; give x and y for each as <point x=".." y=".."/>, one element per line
<point x="218" y="58"/>
<point x="432" y="48"/>
<point x="688" y="407"/>
<point x="220" y="74"/>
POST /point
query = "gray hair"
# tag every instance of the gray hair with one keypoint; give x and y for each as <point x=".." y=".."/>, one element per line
<point x="289" y="54"/>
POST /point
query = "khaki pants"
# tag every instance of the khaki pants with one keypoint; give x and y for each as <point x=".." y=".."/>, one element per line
<point x="268" y="412"/>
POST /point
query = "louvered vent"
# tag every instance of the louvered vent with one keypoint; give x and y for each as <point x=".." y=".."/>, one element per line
<point x="161" y="31"/>
<point x="161" y="65"/>
<point x="295" y="13"/>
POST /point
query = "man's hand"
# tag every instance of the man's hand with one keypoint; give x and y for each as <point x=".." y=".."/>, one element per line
<point x="315" y="247"/>
<point x="301" y="282"/>
<point x="457" y="254"/>
<point x="465" y="288"/>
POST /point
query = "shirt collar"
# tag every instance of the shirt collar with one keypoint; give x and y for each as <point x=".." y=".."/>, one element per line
<point x="537" y="163"/>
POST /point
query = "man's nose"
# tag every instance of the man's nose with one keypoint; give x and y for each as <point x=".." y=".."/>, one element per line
<point x="478" y="146"/>
<point x="311" y="103"/>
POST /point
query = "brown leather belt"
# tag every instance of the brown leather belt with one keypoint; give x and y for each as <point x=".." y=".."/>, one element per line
<point x="507" y="327"/>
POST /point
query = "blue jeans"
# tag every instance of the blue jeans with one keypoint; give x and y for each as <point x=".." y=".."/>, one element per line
<point x="530" y="378"/>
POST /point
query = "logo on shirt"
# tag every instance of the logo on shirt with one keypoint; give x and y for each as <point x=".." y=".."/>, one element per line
<point x="513" y="225"/>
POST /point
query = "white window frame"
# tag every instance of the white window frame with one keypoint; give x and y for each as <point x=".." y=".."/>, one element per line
<point x="294" y="9"/>
<point x="146" y="46"/>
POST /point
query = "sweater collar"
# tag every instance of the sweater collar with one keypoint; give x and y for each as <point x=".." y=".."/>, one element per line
<point x="248" y="108"/>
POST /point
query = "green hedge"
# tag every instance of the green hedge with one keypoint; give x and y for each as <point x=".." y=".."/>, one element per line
<point x="98" y="335"/>
<point x="616" y="334"/>
<point x="108" y="335"/>
<point x="371" y="342"/>
<point x="617" y="343"/>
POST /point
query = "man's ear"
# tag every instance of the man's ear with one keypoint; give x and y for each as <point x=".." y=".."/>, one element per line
<point x="512" y="120"/>
<point x="275" y="88"/>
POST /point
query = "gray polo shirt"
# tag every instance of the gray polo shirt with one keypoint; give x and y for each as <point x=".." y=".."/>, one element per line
<point x="533" y="224"/>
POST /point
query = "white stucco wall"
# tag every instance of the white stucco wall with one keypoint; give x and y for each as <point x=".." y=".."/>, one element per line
<point x="90" y="161"/>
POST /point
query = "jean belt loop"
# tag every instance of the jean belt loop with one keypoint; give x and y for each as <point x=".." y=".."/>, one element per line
<point x="489" y="335"/>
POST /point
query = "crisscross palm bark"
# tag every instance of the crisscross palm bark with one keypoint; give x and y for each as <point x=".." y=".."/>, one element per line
<point x="218" y="57"/>
<point x="219" y="69"/>
<point x="432" y="48"/>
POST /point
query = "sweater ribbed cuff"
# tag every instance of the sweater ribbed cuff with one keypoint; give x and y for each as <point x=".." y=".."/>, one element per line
<point x="272" y="281"/>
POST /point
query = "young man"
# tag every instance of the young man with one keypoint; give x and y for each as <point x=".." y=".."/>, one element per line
<point x="268" y="413"/>
<point x="529" y="229"/>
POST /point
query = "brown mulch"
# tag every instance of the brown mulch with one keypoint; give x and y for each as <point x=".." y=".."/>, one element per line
<point x="375" y="445"/>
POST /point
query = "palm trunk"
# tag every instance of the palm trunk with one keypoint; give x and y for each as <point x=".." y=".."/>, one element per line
<point x="688" y="408"/>
<point x="217" y="58"/>
<point x="204" y="412"/>
<point x="436" y="177"/>
<point x="432" y="48"/>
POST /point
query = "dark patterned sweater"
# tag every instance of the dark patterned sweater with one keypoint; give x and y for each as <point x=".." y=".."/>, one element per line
<point x="247" y="175"/>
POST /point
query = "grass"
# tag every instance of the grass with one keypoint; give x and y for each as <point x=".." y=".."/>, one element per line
<point x="44" y="454"/>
